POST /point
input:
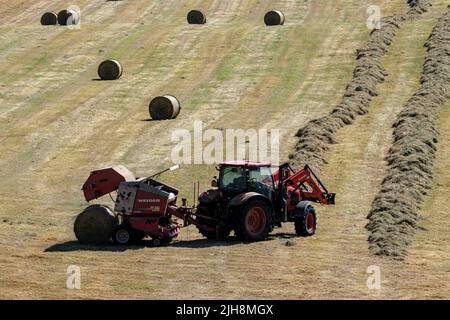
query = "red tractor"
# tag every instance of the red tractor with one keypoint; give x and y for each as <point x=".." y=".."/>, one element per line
<point x="253" y="198"/>
<point x="248" y="197"/>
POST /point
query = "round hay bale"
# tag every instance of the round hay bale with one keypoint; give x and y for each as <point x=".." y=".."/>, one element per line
<point x="196" y="17"/>
<point x="68" y="17"/>
<point x="49" y="19"/>
<point x="110" y="70"/>
<point x="164" y="107"/>
<point x="274" y="18"/>
<point x="95" y="225"/>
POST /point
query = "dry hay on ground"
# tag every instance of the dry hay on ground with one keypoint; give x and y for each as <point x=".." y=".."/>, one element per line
<point x="315" y="138"/>
<point x="394" y="216"/>
<point x="418" y="6"/>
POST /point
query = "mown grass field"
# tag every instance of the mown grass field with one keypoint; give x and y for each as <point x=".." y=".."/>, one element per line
<point x="57" y="124"/>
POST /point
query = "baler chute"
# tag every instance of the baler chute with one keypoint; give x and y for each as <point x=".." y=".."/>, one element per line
<point x="105" y="181"/>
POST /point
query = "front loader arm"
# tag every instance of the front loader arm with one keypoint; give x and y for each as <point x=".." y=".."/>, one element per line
<point x="310" y="186"/>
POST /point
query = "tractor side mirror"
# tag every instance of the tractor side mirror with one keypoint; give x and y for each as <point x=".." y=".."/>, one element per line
<point x="214" y="183"/>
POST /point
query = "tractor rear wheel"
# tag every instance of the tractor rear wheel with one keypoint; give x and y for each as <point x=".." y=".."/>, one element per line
<point x="305" y="224"/>
<point x="253" y="221"/>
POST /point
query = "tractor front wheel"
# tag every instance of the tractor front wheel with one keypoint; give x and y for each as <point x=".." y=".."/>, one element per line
<point x="305" y="224"/>
<point x="253" y="221"/>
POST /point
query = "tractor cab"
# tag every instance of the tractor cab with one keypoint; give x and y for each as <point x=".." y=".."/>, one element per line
<point x="252" y="198"/>
<point x="237" y="177"/>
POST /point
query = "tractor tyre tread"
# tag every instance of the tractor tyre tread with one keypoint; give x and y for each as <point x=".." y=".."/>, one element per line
<point x="240" y="224"/>
<point x="301" y="224"/>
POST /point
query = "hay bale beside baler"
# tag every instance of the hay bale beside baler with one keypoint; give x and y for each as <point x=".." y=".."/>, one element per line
<point x="95" y="225"/>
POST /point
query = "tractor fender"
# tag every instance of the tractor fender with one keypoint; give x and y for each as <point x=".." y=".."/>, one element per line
<point x="245" y="197"/>
<point x="301" y="208"/>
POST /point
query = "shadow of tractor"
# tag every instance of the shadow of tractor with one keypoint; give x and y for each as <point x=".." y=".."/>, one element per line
<point x="205" y="243"/>
<point x="71" y="246"/>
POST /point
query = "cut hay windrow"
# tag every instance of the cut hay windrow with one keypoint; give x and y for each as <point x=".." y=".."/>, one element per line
<point x="394" y="215"/>
<point x="419" y="6"/>
<point x="315" y="138"/>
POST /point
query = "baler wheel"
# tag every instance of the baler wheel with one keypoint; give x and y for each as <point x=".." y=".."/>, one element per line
<point x="305" y="224"/>
<point x="122" y="235"/>
<point x="253" y="221"/>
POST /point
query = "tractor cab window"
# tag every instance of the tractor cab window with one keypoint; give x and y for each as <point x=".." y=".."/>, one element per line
<point x="261" y="180"/>
<point x="233" y="179"/>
